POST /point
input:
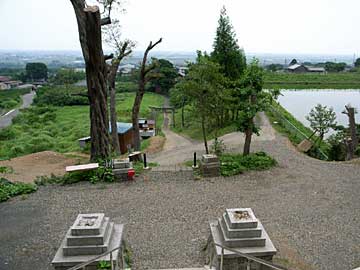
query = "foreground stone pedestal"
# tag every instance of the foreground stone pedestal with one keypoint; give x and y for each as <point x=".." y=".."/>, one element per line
<point x="241" y="230"/>
<point x="210" y="166"/>
<point x="90" y="235"/>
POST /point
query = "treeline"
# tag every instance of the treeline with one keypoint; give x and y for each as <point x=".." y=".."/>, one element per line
<point x="164" y="77"/>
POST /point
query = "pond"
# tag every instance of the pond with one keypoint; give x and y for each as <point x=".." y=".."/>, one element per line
<point x="300" y="102"/>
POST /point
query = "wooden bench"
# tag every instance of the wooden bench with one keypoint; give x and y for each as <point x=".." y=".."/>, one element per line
<point x="82" y="168"/>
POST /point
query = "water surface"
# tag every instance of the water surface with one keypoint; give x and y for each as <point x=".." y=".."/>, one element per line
<point x="300" y="102"/>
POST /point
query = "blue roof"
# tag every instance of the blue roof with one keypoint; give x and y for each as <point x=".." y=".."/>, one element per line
<point x="122" y="127"/>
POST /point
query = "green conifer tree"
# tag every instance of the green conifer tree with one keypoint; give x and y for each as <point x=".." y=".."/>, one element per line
<point x="226" y="49"/>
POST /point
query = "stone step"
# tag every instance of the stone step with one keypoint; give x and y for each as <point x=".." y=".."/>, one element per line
<point x="239" y="233"/>
<point x="240" y="242"/>
<point x="90" y="250"/>
<point x="89" y="240"/>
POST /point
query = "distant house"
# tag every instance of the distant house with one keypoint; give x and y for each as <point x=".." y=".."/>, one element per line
<point x="299" y="68"/>
<point x="6" y="83"/>
<point x="125" y="134"/>
<point x="126" y="69"/>
<point x="316" y="69"/>
<point x="182" y="71"/>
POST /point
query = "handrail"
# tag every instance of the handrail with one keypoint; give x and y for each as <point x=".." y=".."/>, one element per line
<point x="279" y="114"/>
<point x="84" y="264"/>
<point x="249" y="257"/>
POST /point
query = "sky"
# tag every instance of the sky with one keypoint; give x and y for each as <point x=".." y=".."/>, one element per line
<point x="262" y="26"/>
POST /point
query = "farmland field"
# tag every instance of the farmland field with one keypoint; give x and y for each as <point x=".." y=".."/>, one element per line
<point x="346" y="80"/>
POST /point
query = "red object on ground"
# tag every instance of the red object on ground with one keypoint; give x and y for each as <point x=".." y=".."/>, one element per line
<point x="131" y="174"/>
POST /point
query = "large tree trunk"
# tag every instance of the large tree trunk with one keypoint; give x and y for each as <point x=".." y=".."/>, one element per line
<point x="135" y="116"/>
<point x="352" y="127"/>
<point x="89" y="24"/>
<point x="249" y="130"/>
<point x="248" y="136"/>
<point x="113" y="117"/>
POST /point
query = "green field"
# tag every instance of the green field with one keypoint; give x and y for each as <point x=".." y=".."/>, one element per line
<point x="10" y="99"/>
<point x="345" y="80"/>
<point x="59" y="128"/>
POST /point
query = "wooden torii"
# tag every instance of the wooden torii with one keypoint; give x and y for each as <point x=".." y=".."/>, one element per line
<point x="164" y="109"/>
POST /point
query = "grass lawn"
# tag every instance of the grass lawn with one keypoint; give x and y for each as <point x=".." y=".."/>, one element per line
<point x="10" y="99"/>
<point x="59" y="128"/>
<point x="192" y="127"/>
<point x="345" y="80"/>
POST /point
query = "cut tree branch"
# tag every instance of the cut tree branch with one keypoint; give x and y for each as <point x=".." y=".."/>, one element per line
<point x="105" y="21"/>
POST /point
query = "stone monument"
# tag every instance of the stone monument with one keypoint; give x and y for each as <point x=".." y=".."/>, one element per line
<point x="210" y="166"/>
<point x="90" y="235"/>
<point x="121" y="168"/>
<point x="240" y="230"/>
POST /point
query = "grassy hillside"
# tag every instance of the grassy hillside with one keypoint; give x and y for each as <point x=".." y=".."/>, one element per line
<point x="59" y="128"/>
<point x="346" y="80"/>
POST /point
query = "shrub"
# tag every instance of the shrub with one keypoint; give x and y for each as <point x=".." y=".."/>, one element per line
<point x="61" y="96"/>
<point x="9" y="189"/>
<point x="218" y="147"/>
<point x="102" y="174"/>
<point x="233" y="164"/>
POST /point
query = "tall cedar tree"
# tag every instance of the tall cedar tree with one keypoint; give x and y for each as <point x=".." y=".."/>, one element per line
<point x="226" y="49"/>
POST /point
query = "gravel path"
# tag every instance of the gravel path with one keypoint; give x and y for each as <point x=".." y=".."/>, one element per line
<point x="6" y="119"/>
<point x="308" y="206"/>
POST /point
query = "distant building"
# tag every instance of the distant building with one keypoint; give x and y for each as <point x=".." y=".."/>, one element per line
<point x="299" y="68"/>
<point x="126" y="69"/>
<point x="146" y="128"/>
<point x="182" y="71"/>
<point x="125" y="134"/>
<point x="316" y="69"/>
<point x="6" y="83"/>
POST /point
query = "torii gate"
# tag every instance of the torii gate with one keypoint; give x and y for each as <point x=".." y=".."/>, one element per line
<point x="164" y="109"/>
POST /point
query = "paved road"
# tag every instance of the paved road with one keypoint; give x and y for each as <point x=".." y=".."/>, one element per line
<point x="6" y="119"/>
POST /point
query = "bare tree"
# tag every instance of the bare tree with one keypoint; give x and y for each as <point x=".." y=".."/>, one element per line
<point x="122" y="50"/>
<point x="143" y="80"/>
<point x="354" y="142"/>
<point x="89" y="26"/>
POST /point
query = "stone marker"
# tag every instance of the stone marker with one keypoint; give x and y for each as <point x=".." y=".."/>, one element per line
<point x="210" y="166"/>
<point x="90" y="235"/>
<point x="241" y="230"/>
<point x="121" y="168"/>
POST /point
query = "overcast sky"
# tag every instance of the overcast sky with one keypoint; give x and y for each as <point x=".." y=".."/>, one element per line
<point x="263" y="26"/>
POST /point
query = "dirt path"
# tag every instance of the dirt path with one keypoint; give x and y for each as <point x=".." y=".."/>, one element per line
<point x="179" y="149"/>
<point x="6" y="119"/>
<point x="27" y="168"/>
